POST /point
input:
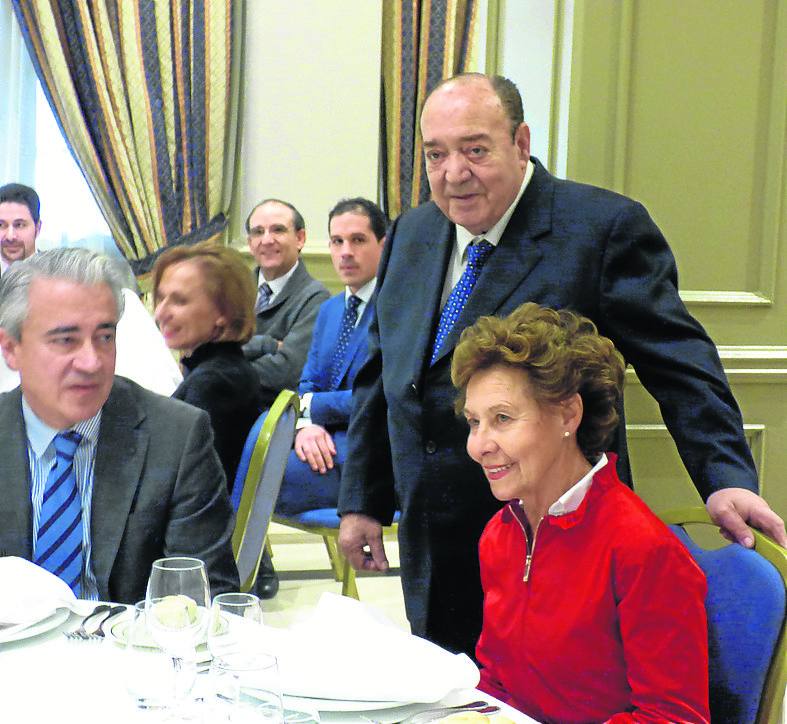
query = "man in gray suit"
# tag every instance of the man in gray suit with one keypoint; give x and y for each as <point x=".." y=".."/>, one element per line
<point x="286" y="308"/>
<point x="288" y="297"/>
<point x="140" y="479"/>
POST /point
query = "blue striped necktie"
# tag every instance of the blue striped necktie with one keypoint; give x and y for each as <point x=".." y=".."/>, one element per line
<point x="59" y="543"/>
<point x="349" y="318"/>
<point x="263" y="298"/>
<point x="477" y="254"/>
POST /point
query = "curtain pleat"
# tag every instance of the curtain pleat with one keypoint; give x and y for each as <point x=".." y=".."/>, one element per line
<point x="424" y="41"/>
<point x="142" y="92"/>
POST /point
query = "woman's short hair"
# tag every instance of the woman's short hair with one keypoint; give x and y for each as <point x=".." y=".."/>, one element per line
<point x="228" y="282"/>
<point x="561" y="353"/>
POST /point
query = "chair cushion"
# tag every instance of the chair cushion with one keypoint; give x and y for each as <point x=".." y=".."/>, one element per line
<point x="746" y="609"/>
<point x="322" y="518"/>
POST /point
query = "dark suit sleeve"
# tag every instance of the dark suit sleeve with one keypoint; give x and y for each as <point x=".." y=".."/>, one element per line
<point x="672" y="354"/>
<point x="200" y="517"/>
<point x="332" y="408"/>
<point x="367" y="483"/>
<point x="282" y="369"/>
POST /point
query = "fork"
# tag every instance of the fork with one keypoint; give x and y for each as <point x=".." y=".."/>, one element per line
<point x="428" y="715"/>
<point x="82" y="634"/>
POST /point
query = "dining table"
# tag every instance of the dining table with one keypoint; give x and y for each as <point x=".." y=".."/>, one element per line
<point x="47" y="677"/>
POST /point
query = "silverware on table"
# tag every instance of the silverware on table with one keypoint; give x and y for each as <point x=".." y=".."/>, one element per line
<point x="428" y="715"/>
<point x="102" y="613"/>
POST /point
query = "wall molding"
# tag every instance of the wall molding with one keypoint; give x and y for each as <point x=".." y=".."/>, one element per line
<point x="770" y="187"/>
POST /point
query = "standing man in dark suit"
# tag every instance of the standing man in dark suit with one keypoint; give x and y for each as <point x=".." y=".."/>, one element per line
<point x="501" y="231"/>
<point x="98" y="477"/>
<point x="338" y="350"/>
<point x="287" y="300"/>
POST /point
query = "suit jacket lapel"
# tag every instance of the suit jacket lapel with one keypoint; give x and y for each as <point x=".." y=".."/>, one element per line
<point x="429" y="258"/>
<point x="120" y="455"/>
<point x="16" y="508"/>
<point x="513" y="260"/>
<point x="358" y="335"/>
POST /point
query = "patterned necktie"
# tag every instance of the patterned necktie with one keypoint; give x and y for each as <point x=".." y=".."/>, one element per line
<point x="477" y="254"/>
<point x="59" y="543"/>
<point x="263" y="297"/>
<point x="349" y="318"/>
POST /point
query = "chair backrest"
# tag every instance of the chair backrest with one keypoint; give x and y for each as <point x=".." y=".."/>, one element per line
<point x="258" y="480"/>
<point x="746" y="606"/>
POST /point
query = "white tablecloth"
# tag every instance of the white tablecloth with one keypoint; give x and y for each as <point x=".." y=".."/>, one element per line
<point x="48" y="678"/>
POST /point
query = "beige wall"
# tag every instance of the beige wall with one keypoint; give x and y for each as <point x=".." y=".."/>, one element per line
<point x="309" y="109"/>
<point x="682" y="106"/>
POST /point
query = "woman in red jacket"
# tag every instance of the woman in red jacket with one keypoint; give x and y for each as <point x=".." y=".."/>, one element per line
<point x="593" y="610"/>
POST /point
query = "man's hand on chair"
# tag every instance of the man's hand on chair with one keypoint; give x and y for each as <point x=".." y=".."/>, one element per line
<point x="732" y="508"/>
<point x="361" y="541"/>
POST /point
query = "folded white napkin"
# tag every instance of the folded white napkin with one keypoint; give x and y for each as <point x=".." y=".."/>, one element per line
<point x="30" y="593"/>
<point x="348" y="650"/>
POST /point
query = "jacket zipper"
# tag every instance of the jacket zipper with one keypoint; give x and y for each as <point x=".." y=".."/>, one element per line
<point x="530" y="547"/>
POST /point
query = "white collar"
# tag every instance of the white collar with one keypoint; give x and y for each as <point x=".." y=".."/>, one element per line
<point x="570" y="500"/>
<point x="364" y="293"/>
<point x="464" y="237"/>
<point x="278" y="283"/>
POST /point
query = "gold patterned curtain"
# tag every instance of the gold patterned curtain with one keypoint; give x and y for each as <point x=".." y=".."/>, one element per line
<point x="424" y="41"/>
<point x="143" y="92"/>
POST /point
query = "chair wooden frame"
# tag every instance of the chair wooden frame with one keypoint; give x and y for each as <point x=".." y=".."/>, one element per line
<point x="773" y="693"/>
<point x="286" y="399"/>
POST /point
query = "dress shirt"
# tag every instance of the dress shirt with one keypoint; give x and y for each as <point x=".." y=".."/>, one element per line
<point x="41" y="457"/>
<point x="277" y="284"/>
<point x="364" y="293"/>
<point x="458" y="260"/>
<point x="570" y="500"/>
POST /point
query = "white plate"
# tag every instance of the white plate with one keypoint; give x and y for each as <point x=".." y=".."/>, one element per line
<point x="302" y="702"/>
<point x="58" y="616"/>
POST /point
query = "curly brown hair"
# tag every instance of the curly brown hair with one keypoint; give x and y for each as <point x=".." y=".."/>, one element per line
<point x="561" y="353"/>
<point x="228" y="281"/>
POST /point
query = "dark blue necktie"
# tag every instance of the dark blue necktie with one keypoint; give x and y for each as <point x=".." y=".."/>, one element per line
<point x="263" y="298"/>
<point x="59" y="543"/>
<point x="349" y="318"/>
<point x="477" y="254"/>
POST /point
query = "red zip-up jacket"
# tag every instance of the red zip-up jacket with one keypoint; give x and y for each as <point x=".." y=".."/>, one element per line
<point x="604" y="620"/>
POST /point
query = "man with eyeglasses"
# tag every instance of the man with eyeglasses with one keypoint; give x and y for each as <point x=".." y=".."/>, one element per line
<point x="287" y="300"/>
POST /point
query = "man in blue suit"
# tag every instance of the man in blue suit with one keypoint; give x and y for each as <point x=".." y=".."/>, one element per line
<point x="337" y="352"/>
<point x="503" y="231"/>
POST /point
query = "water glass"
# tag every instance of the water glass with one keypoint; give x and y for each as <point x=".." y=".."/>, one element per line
<point x="148" y="671"/>
<point x="246" y="688"/>
<point x="235" y="621"/>
<point x="177" y="606"/>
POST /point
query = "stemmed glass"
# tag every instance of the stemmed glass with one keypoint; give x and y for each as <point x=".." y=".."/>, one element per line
<point x="176" y="609"/>
<point x="235" y="621"/>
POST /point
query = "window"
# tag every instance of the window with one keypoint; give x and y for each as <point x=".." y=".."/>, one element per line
<point x="36" y="154"/>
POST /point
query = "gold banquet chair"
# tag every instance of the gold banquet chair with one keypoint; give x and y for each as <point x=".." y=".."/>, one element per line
<point x="746" y="606"/>
<point x="258" y="480"/>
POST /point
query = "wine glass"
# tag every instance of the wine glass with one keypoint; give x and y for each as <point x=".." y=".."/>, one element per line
<point x="235" y="622"/>
<point x="176" y="610"/>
